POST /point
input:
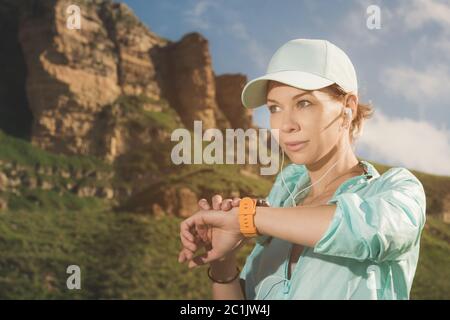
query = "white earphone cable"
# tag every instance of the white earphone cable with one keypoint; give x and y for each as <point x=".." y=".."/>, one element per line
<point x="260" y="287"/>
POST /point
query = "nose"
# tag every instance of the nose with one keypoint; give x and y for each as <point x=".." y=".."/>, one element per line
<point x="289" y="124"/>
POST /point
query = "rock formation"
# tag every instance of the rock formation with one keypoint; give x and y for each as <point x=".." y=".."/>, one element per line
<point x="74" y="75"/>
<point x="112" y="89"/>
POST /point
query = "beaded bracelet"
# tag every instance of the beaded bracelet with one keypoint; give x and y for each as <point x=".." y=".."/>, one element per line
<point x="221" y="281"/>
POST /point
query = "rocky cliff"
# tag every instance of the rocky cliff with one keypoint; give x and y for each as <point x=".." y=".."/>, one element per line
<point x="74" y="75"/>
<point x="112" y="89"/>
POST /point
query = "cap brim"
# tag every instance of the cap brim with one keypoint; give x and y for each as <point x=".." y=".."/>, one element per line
<point x="254" y="93"/>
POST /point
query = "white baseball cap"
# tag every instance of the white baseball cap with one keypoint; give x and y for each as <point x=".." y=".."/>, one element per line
<point x="307" y="64"/>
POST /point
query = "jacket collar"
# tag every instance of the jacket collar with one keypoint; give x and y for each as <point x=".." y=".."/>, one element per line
<point x="299" y="177"/>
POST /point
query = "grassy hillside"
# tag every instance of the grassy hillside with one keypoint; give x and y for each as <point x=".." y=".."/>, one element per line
<point x="121" y="255"/>
<point x="22" y="152"/>
<point x="57" y="171"/>
<point x="124" y="254"/>
<point x="433" y="273"/>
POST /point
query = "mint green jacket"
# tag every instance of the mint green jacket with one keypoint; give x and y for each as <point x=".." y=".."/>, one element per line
<point x="369" y="251"/>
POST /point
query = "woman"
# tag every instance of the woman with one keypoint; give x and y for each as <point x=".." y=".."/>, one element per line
<point x="335" y="228"/>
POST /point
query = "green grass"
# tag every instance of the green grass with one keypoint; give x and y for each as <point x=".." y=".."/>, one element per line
<point x="121" y="255"/>
<point x="209" y="179"/>
<point x="131" y="256"/>
<point x="22" y="152"/>
<point x="137" y="116"/>
<point x="432" y="279"/>
<point x="163" y="120"/>
<point x="37" y="200"/>
<point x="149" y="157"/>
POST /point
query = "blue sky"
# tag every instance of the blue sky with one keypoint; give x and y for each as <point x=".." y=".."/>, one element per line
<point x="403" y="68"/>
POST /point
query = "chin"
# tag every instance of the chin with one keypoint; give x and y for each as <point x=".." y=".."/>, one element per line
<point x="298" y="157"/>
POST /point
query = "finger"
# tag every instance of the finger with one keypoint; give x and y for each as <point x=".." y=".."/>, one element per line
<point x="204" y="205"/>
<point x="181" y="257"/>
<point x="185" y="255"/>
<point x="216" y="201"/>
<point x="205" y="258"/>
<point x="226" y="205"/>
<point x="198" y="242"/>
<point x="199" y="230"/>
<point x="187" y="243"/>
<point x="187" y="236"/>
<point x="235" y="202"/>
<point x="185" y="228"/>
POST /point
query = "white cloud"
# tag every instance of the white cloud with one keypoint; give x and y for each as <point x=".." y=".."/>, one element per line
<point x="443" y="44"/>
<point x="420" y="15"/>
<point x="417" y="13"/>
<point x="196" y="16"/>
<point x="430" y="46"/>
<point x="406" y="142"/>
<point x="421" y="87"/>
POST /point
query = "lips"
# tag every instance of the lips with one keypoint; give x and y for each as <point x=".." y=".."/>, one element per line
<point x="295" y="142"/>
<point x="296" y="145"/>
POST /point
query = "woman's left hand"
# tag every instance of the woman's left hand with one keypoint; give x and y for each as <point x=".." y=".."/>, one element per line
<point x="226" y="237"/>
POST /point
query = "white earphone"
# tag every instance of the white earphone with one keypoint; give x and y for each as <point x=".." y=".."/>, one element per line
<point x="348" y="115"/>
<point x="260" y="287"/>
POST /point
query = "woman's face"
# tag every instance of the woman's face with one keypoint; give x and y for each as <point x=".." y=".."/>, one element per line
<point x="314" y="117"/>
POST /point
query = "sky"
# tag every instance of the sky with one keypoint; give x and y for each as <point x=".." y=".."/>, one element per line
<point x="403" y="67"/>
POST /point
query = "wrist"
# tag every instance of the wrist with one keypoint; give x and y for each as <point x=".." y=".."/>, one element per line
<point x="226" y="261"/>
<point x="258" y="219"/>
<point x="223" y="269"/>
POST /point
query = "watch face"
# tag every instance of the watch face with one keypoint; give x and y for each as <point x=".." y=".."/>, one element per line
<point x="262" y="203"/>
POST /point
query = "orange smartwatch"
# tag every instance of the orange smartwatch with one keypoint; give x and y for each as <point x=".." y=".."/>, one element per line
<point x="247" y="211"/>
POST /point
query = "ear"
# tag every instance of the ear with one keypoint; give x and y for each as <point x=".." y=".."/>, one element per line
<point x="352" y="103"/>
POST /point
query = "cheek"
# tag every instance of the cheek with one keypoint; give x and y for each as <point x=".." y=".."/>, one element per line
<point x="321" y="130"/>
<point x="328" y="134"/>
<point x="311" y="125"/>
<point x="275" y="121"/>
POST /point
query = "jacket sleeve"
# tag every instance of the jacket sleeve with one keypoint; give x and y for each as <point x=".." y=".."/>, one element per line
<point x="384" y="225"/>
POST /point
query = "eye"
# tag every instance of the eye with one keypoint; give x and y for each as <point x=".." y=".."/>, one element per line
<point x="302" y="103"/>
<point x="274" y="108"/>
